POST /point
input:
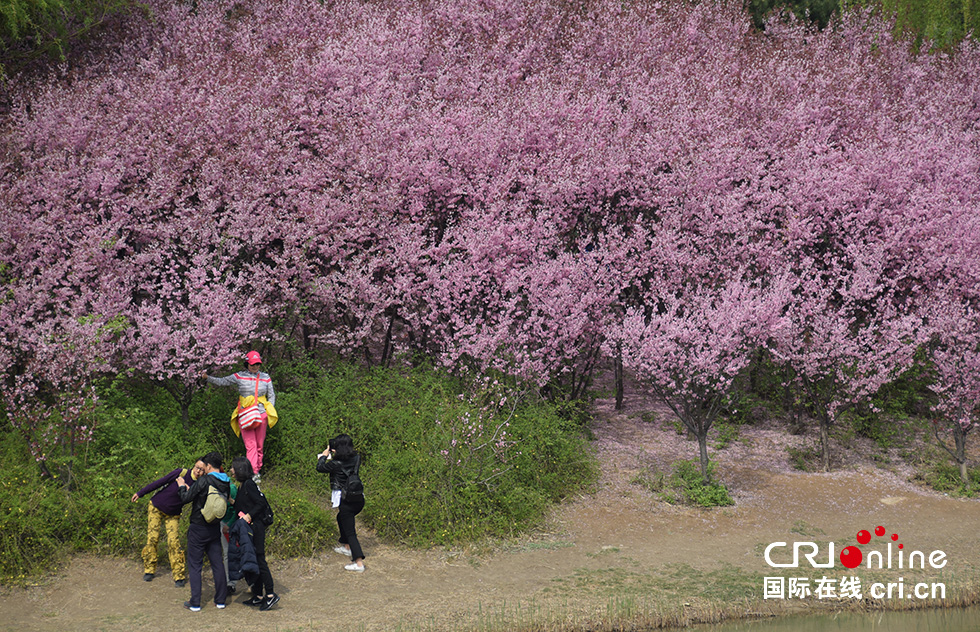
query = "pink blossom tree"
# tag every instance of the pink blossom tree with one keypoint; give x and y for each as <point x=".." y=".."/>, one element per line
<point x="692" y="348"/>
<point x="840" y="354"/>
<point x="955" y="358"/>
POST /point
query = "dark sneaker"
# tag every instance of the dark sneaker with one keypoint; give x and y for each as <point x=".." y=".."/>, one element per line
<point x="148" y="577"/>
<point x="180" y="583"/>
<point x="231" y="589"/>
<point x="188" y="605"/>
<point x="254" y="601"/>
<point x="270" y="601"/>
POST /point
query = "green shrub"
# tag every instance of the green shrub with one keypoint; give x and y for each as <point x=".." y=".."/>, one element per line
<point x="34" y="515"/>
<point x="444" y="460"/>
<point x="724" y="435"/>
<point x="689" y="485"/>
<point x="884" y="431"/>
<point x="33" y="28"/>
<point x="944" y="23"/>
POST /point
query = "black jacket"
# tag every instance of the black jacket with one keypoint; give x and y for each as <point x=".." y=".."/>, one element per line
<point x="241" y="551"/>
<point x="198" y="495"/>
<point x="250" y="500"/>
<point x="339" y="470"/>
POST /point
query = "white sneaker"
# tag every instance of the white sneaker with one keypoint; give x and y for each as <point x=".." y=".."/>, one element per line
<point x="354" y="567"/>
<point x="342" y="550"/>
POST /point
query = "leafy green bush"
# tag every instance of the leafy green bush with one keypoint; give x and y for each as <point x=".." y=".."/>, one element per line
<point x="31" y="28"/>
<point x="444" y="459"/>
<point x="689" y="485"/>
<point x="34" y="515"/>
<point x="724" y="434"/>
<point x="944" y="23"/>
<point x="303" y="523"/>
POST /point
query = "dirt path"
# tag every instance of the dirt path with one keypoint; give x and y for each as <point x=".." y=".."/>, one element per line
<point x="618" y="543"/>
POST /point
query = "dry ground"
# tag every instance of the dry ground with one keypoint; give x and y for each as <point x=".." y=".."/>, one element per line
<point x="607" y="553"/>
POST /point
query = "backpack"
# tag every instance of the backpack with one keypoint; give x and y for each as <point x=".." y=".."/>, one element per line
<point x="354" y="488"/>
<point x="215" y="505"/>
<point x="266" y="517"/>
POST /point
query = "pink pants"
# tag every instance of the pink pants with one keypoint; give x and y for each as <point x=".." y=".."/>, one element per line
<point x="254" y="437"/>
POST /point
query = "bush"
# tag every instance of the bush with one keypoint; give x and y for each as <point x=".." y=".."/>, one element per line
<point x="684" y="486"/>
<point x="34" y="515"/>
<point x="687" y="485"/>
<point x="725" y="434"/>
<point x="445" y="461"/>
<point x="891" y="415"/>
<point x="29" y="28"/>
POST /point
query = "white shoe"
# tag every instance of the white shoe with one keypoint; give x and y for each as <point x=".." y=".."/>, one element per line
<point x="342" y="550"/>
<point x="354" y="567"/>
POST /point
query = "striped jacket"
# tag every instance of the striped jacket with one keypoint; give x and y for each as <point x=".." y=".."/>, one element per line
<point x="246" y="385"/>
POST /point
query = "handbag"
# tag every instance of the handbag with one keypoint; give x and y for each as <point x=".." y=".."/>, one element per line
<point x="249" y="415"/>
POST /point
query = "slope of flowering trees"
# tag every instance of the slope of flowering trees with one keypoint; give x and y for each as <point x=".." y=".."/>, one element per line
<point x="496" y="184"/>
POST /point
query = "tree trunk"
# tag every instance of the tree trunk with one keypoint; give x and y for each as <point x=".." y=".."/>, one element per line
<point x="825" y="441"/>
<point x="618" y="362"/>
<point x="185" y="406"/>
<point x="959" y="436"/>
<point x="703" y="448"/>
<point x="182" y="394"/>
<point x="958" y="452"/>
<point x="754" y="370"/>
<point x="307" y="340"/>
<point x="389" y="348"/>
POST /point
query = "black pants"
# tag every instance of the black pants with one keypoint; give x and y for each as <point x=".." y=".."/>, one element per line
<point x="206" y="540"/>
<point x="261" y="582"/>
<point x="345" y="522"/>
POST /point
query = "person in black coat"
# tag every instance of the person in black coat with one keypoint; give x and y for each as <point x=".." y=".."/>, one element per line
<point x="203" y="537"/>
<point x="250" y="504"/>
<point x="340" y="460"/>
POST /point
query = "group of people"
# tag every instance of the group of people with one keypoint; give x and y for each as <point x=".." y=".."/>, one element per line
<point x="246" y="515"/>
<point x="234" y="542"/>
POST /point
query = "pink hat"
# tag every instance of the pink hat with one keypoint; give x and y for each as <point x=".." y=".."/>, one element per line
<point x="253" y="357"/>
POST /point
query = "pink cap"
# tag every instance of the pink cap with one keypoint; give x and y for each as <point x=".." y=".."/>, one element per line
<point x="253" y="357"/>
